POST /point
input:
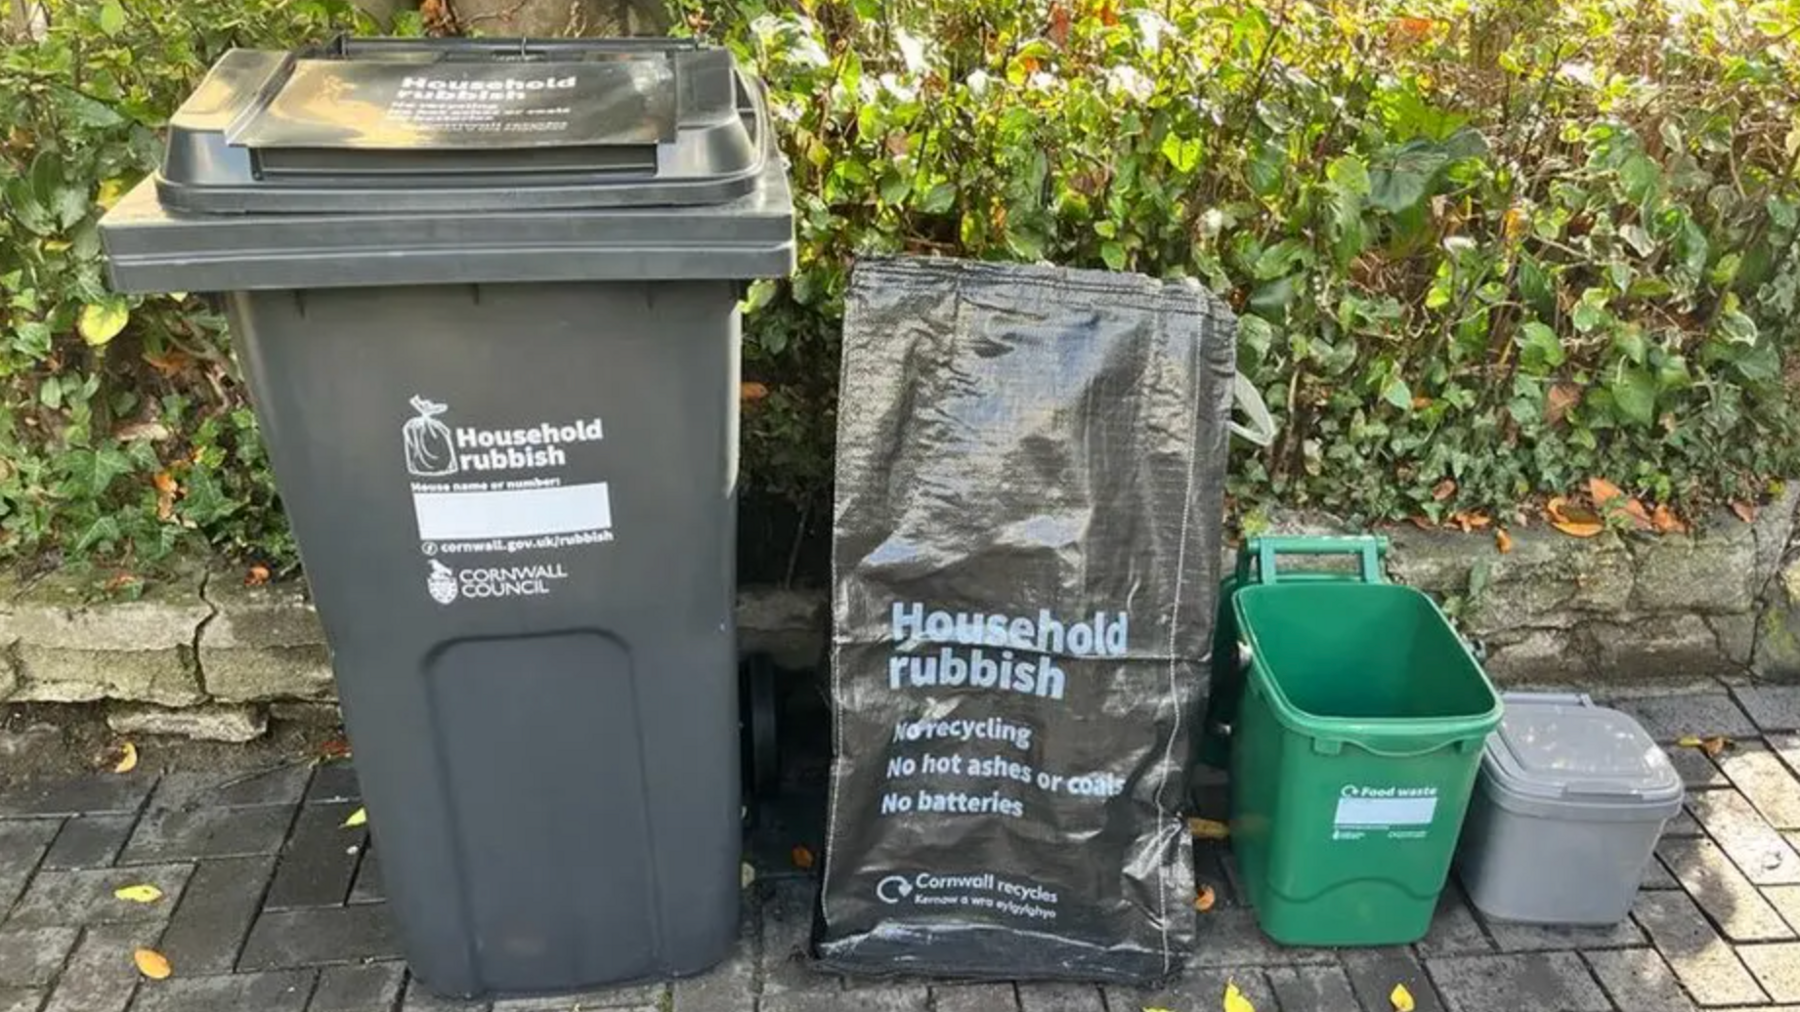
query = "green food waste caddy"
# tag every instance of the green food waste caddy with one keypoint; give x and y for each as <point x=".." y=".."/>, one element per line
<point x="1355" y="747"/>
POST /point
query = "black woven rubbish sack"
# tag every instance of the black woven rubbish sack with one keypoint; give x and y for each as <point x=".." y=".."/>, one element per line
<point x="1029" y="488"/>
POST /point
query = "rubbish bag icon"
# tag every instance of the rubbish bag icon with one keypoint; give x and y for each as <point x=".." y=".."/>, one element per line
<point x="430" y="452"/>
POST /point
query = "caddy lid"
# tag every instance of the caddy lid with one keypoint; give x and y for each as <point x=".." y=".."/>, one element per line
<point x="1564" y="748"/>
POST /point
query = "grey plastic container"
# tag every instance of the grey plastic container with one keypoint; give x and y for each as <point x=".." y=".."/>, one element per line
<point x="1570" y="802"/>
<point x="498" y="380"/>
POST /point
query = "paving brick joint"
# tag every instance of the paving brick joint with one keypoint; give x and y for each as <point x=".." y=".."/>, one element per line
<point x="270" y="905"/>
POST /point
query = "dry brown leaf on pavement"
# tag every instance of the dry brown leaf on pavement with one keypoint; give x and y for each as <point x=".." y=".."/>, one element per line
<point x="257" y="576"/>
<point x="1205" y="898"/>
<point x="1444" y="489"/>
<point x="1502" y="540"/>
<point x="152" y="964"/>
<point x="802" y="856"/>
<point x="1665" y="521"/>
<point x="1467" y="522"/>
<point x="1745" y="511"/>
<point x="752" y="391"/>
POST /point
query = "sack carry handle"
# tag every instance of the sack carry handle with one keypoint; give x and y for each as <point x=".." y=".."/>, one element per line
<point x="1264" y="550"/>
<point x="1244" y="395"/>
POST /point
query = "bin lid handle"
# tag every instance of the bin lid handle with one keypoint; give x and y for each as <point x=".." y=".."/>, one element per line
<point x="1262" y="551"/>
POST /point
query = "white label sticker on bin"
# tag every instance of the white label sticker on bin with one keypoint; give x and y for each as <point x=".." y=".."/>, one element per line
<point x="1386" y="811"/>
<point x="478" y="490"/>
<point x="512" y="513"/>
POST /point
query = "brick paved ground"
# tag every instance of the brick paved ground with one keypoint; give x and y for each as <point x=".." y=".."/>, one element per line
<point x="271" y="906"/>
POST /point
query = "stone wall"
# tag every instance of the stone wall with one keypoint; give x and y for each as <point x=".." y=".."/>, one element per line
<point x="203" y="654"/>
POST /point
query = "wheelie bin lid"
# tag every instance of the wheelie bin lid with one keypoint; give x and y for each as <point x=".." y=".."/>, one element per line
<point x="391" y="161"/>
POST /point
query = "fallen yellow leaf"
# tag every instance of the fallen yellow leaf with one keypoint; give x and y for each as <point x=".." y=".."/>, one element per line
<point x="1502" y="540"/>
<point x="1205" y="898"/>
<point x="139" y="893"/>
<point x="1235" y="1000"/>
<point x="1209" y="829"/>
<point x="360" y="817"/>
<point x="152" y="964"/>
<point x="1573" y="520"/>
<point x="1712" y="744"/>
<point x="802" y="857"/>
<point x="1401" y="998"/>
<point x="128" y="758"/>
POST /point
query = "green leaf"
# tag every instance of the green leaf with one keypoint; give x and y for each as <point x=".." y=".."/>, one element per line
<point x="1735" y="325"/>
<point x="84" y="111"/>
<point x="1278" y="259"/>
<point x="1785" y="214"/>
<point x="1402" y="176"/>
<point x="103" y="531"/>
<point x="1642" y="178"/>
<point x="1395" y="190"/>
<point x="1535" y="287"/>
<point x="32" y="338"/>
<point x="1272" y="298"/>
<point x="1397" y="393"/>
<point x="1266" y="170"/>
<point x="1025" y="244"/>
<point x="1182" y="153"/>
<point x="1672" y="373"/>
<point x="894" y="187"/>
<point x="1590" y="313"/>
<point x="1630" y="342"/>
<point x="1540" y="350"/>
<point x="1114" y="255"/>
<point x="1634" y="393"/>
<point x="101" y="321"/>
<point x="1255" y="335"/>
<point x="112" y="17"/>
<point x="1638" y="239"/>
<point x="90" y="472"/>
<point x="939" y="198"/>
<point x="1348" y="174"/>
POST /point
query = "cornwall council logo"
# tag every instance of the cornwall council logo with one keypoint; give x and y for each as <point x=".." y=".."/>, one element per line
<point x="441" y="583"/>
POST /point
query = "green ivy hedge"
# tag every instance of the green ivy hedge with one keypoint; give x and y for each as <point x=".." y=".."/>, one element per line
<point x="1483" y="250"/>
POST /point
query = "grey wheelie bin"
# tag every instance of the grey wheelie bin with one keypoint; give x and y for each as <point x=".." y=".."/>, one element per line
<point x="486" y="298"/>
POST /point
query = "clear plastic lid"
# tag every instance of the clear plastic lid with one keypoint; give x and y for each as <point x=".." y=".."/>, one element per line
<point x="1563" y="748"/>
